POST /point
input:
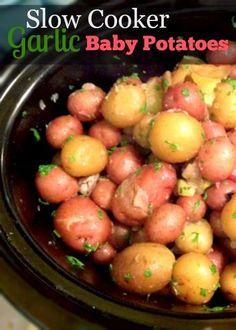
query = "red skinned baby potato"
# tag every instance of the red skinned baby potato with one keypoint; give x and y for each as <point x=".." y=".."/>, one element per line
<point x="218" y="257"/>
<point x="104" y="254"/>
<point x="54" y="185"/>
<point x="120" y="234"/>
<point x="216" y="159"/>
<point x="193" y="206"/>
<point x="213" y="129"/>
<point x="223" y="56"/>
<point x="219" y="194"/>
<point x="61" y="128"/>
<point x="122" y="162"/>
<point x="82" y="225"/>
<point x="216" y="224"/>
<point x="187" y="97"/>
<point x="103" y="193"/>
<point x="165" y="224"/>
<point x="147" y="188"/>
<point x="85" y="103"/>
<point x="109" y="135"/>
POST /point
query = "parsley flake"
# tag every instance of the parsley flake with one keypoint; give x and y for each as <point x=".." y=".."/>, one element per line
<point x="128" y="276"/>
<point x="100" y="214"/>
<point x="185" y="92"/>
<point x="173" y="146"/>
<point x="213" y="269"/>
<point x="203" y="292"/>
<point x="138" y="171"/>
<point x="75" y="262"/>
<point x="89" y="247"/>
<point x="157" y="87"/>
<point x="56" y="234"/>
<point x="157" y="166"/>
<point x="205" y="196"/>
<point x="36" y="134"/>
<point x="24" y="114"/>
<point x="215" y="309"/>
<point x="45" y="169"/>
<point x="234" y="215"/>
<point x="42" y="202"/>
<point x="143" y="108"/>
<point x="147" y="273"/>
<point x="196" y="205"/>
<point x="116" y="57"/>
<point x="71" y="87"/>
<point x="152" y="123"/>
<point x="195" y="237"/>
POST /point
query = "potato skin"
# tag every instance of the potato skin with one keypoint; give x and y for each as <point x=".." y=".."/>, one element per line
<point x="109" y="135"/>
<point x="142" y="192"/>
<point x="187" y="97"/>
<point x="228" y="217"/>
<point x="196" y="237"/>
<point x="104" y="254"/>
<point x="218" y="257"/>
<point x="80" y="221"/>
<point x="176" y="136"/>
<point x="228" y="282"/>
<point x="154" y="94"/>
<point x="194" y="278"/>
<point x="216" y="224"/>
<point x="143" y="268"/>
<point x="123" y="161"/>
<point x="142" y="129"/>
<point x="219" y="194"/>
<point x="165" y="224"/>
<point x="124" y="105"/>
<point x="103" y="193"/>
<point x="61" y="128"/>
<point x="212" y="155"/>
<point x="85" y="103"/>
<point x="193" y="206"/>
<point x="83" y="156"/>
<point x="56" y="186"/>
<point x="213" y="129"/>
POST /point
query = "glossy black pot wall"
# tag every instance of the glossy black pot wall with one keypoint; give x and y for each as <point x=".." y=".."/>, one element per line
<point x="26" y="228"/>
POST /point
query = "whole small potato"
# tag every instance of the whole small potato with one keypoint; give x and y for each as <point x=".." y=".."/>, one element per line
<point x="195" y="237"/>
<point x="219" y="194"/>
<point x="143" y="268"/>
<point x="110" y="136"/>
<point x="83" y="156"/>
<point x="228" y="218"/>
<point x="165" y="224"/>
<point x="216" y="224"/>
<point x="54" y="185"/>
<point x="147" y="188"/>
<point x="61" y="128"/>
<point x="82" y="225"/>
<point x="228" y="281"/>
<point x="212" y="155"/>
<point x="125" y="104"/>
<point x="120" y="235"/>
<point x="104" y="254"/>
<point x="218" y="257"/>
<point x="193" y="206"/>
<point x="213" y="129"/>
<point x="223" y="109"/>
<point x="154" y="93"/>
<point x="142" y="129"/>
<point x="85" y="103"/>
<point x="195" y="278"/>
<point x="103" y="193"/>
<point x="122" y="162"/>
<point x="185" y="96"/>
<point x="176" y="137"/>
